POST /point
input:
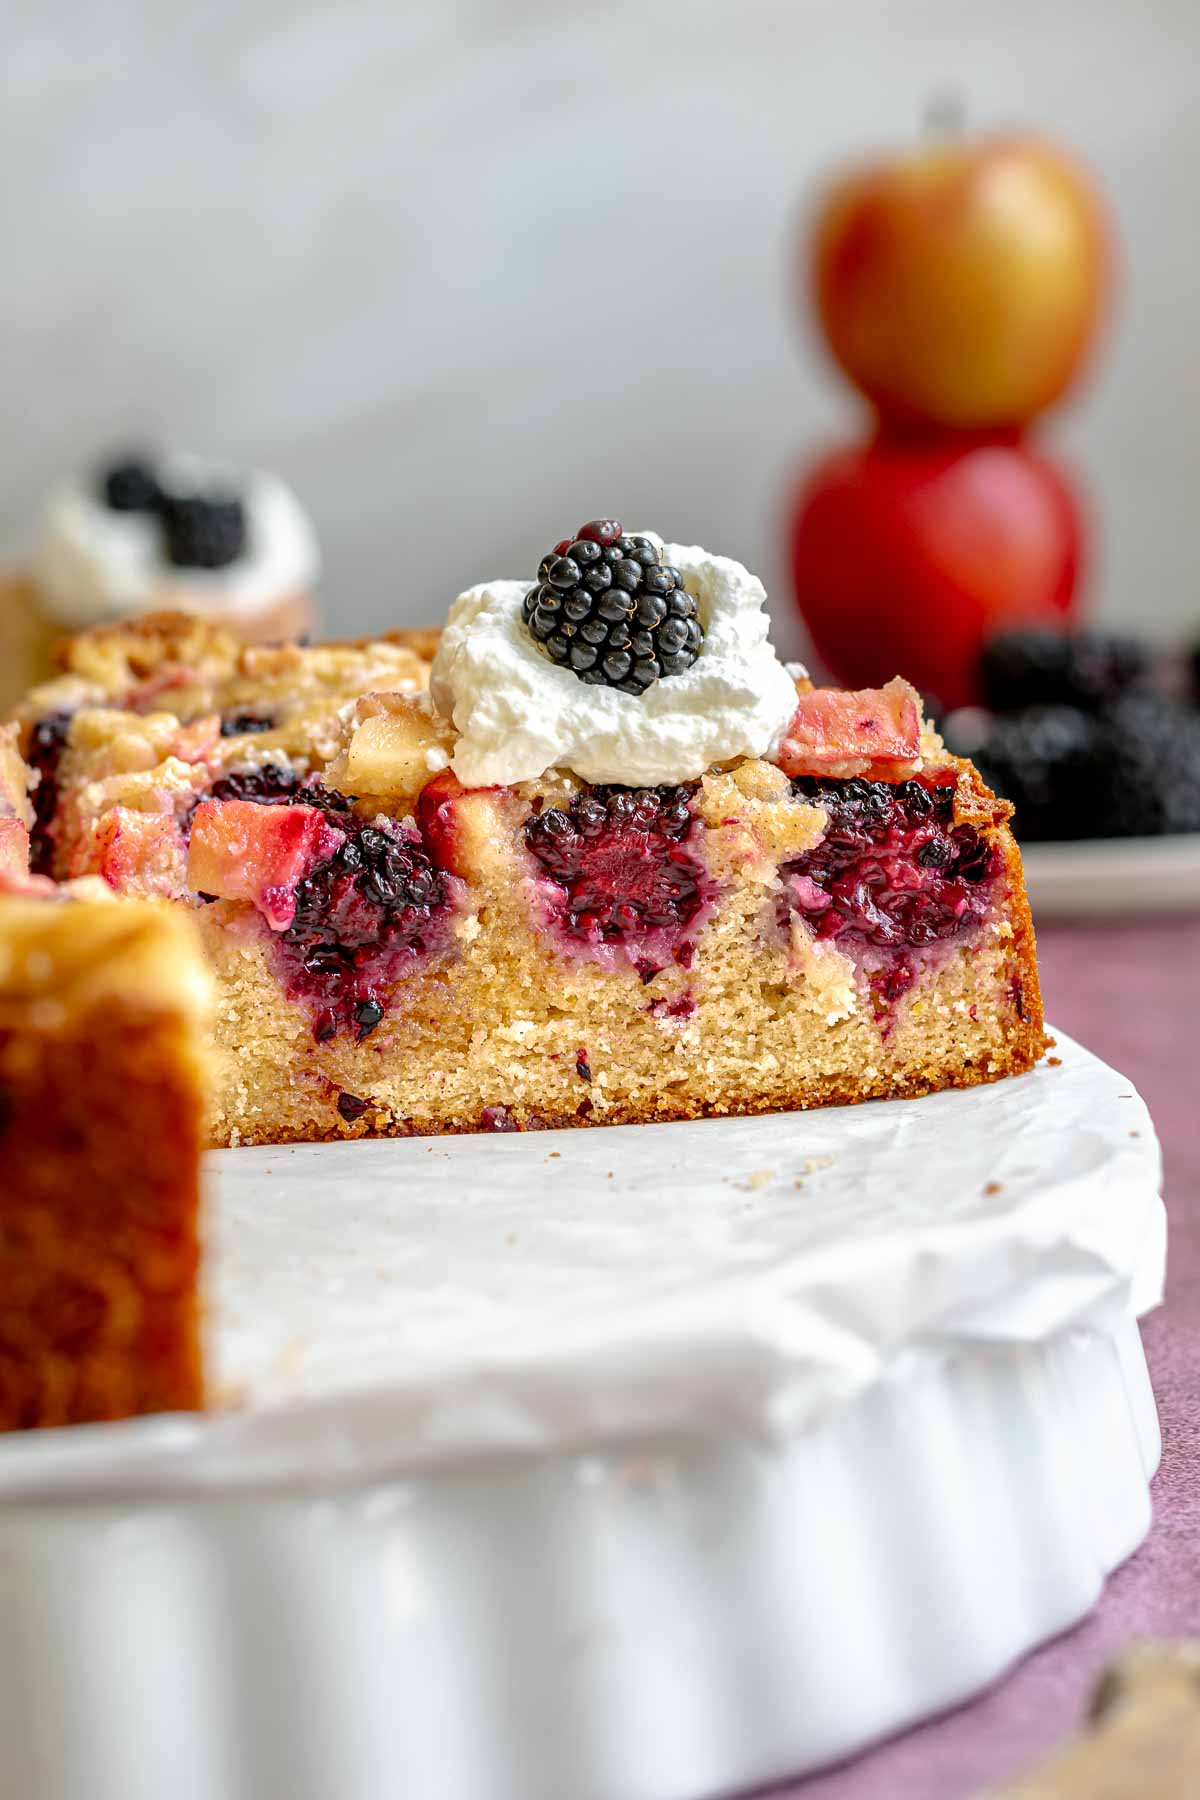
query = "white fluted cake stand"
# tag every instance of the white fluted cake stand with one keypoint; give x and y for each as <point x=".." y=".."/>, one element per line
<point x="632" y="1464"/>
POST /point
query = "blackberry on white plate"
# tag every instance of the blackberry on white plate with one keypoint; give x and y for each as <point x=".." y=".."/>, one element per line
<point x="606" y="606"/>
<point x="1038" y="666"/>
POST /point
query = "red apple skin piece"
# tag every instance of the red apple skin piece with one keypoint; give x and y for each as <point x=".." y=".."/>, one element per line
<point x="240" y="850"/>
<point x="14" y="849"/>
<point x="195" y="743"/>
<point x="158" y="686"/>
<point x="906" y="556"/>
<point x="134" y="852"/>
<point x="15" y="876"/>
<point x="842" y="732"/>
<point x="961" y="284"/>
<point x="436" y="806"/>
<point x="462" y="827"/>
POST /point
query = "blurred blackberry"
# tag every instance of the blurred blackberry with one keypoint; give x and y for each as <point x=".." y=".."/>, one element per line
<point x="236" y="724"/>
<point x="608" y="607"/>
<point x="47" y="742"/>
<point x="130" y="485"/>
<point x="1042" y="667"/>
<point x="203" y="531"/>
<point x="1050" y="761"/>
<point x="1150" y="751"/>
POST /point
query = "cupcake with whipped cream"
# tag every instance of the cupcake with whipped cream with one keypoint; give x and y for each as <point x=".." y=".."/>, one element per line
<point x="177" y="533"/>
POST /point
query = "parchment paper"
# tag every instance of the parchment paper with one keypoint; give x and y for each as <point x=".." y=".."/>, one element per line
<point x="376" y="1307"/>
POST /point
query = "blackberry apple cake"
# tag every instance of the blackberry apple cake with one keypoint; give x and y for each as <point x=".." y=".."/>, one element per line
<point x="142" y="533"/>
<point x="603" y="859"/>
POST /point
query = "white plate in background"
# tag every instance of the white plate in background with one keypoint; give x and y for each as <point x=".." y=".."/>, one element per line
<point x="1114" y="878"/>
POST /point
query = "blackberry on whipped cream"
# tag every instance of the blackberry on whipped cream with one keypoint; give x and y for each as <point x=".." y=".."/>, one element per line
<point x="518" y="713"/>
<point x="607" y="607"/>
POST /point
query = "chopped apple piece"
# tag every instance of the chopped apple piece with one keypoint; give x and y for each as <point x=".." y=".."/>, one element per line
<point x="842" y="733"/>
<point x="241" y="850"/>
<point x="461" y="826"/>
<point x="394" y="745"/>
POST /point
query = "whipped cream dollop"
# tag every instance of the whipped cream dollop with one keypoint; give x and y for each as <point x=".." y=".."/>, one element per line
<point x="92" y="563"/>
<point x="518" y="714"/>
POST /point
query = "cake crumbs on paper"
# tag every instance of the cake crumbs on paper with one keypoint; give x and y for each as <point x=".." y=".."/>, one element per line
<point x="291" y="1355"/>
<point x="811" y="1164"/>
<point x="758" y="1178"/>
<point x="229" y="1396"/>
<point x="1135" y="1134"/>
<point x="993" y="1187"/>
<point x="1054" y="1062"/>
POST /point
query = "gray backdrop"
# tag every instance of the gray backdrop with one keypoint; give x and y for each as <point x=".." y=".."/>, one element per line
<point x="468" y="273"/>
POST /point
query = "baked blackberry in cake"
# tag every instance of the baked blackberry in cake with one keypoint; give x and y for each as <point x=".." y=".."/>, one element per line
<point x="103" y="1008"/>
<point x="491" y="894"/>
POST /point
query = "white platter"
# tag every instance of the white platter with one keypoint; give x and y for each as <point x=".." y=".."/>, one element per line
<point x="552" y="1484"/>
<point x="1114" y="878"/>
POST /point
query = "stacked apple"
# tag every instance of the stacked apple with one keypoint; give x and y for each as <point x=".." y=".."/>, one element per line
<point x="960" y="288"/>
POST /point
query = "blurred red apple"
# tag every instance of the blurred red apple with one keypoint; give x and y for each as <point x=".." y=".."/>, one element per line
<point x="906" y="555"/>
<point x="961" y="284"/>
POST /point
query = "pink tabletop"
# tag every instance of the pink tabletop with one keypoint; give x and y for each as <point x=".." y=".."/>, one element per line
<point x="1132" y="994"/>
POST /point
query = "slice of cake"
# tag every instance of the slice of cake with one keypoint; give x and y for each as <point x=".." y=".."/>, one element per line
<point x="617" y="864"/>
<point x="101" y="1124"/>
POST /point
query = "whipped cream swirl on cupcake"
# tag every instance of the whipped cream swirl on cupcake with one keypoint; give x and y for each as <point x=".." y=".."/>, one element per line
<point x="521" y="708"/>
<point x="182" y="532"/>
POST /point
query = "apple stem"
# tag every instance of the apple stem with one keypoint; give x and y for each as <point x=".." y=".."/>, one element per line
<point x="945" y="113"/>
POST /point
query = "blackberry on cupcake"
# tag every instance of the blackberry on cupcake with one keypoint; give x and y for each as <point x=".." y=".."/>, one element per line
<point x="203" y="530"/>
<point x="130" y="484"/>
